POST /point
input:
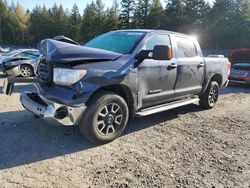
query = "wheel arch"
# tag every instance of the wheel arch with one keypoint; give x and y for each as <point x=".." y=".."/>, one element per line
<point x="123" y="91"/>
<point x="27" y="64"/>
<point x="216" y="77"/>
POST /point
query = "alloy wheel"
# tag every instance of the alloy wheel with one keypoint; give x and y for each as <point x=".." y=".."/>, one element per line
<point x="26" y="71"/>
<point x="109" y="119"/>
<point x="213" y="95"/>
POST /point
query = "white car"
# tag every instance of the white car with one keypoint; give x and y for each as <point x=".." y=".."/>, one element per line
<point x="21" y="62"/>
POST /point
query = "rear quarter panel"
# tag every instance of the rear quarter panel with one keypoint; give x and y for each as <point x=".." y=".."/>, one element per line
<point x="215" y="66"/>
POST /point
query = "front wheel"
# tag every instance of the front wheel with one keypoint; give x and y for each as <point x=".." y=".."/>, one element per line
<point x="105" y="118"/>
<point x="209" y="99"/>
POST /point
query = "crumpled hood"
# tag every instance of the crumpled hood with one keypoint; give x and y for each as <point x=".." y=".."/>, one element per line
<point x="61" y="52"/>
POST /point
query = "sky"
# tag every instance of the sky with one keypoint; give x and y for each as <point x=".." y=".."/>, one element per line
<point x="30" y="4"/>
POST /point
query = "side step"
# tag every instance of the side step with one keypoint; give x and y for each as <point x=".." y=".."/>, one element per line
<point x="164" y="107"/>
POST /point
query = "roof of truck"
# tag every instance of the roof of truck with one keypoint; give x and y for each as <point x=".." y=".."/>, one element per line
<point x="152" y="31"/>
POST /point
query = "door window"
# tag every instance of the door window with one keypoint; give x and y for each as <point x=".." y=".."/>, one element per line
<point x="185" y="47"/>
<point x="157" y="40"/>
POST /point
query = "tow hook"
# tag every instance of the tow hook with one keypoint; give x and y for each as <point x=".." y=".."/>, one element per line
<point x="61" y="112"/>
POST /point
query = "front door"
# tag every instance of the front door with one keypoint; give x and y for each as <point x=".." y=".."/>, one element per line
<point x="156" y="78"/>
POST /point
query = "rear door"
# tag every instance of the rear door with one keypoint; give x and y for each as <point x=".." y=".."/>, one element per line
<point x="156" y="78"/>
<point x="190" y="71"/>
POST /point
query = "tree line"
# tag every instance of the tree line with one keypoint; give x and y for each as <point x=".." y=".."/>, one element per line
<point x="225" y="24"/>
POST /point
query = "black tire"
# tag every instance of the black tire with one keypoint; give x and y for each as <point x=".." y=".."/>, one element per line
<point x="26" y="71"/>
<point x="209" y="99"/>
<point x="105" y="119"/>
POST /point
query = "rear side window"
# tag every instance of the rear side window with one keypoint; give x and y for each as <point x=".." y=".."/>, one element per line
<point x="185" y="47"/>
<point x="157" y="40"/>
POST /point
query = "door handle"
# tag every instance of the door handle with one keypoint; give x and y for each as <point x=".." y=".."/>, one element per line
<point x="172" y="66"/>
<point x="201" y="65"/>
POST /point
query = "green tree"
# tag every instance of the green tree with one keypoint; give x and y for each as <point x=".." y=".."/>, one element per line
<point x="100" y="17"/>
<point x="195" y="11"/>
<point x="74" y="24"/>
<point x="40" y="24"/>
<point x="127" y="12"/>
<point x="19" y="20"/>
<point x="156" y="15"/>
<point x="174" y="15"/>
<point x="3" y="22"/>
<point x="94" y="19"/>
<point x="22" y="20"/>
<point x="88" y="27"/>
<point x="142" y="14"/>
<point x="226" y="24"/>
<point x="229" y="27"/>
<point x="59" y="20"/>
<point x="195" y="21"/>
<point x="112" y="21"/>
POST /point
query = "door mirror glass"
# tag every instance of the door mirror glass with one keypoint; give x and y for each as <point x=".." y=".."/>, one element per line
<point x="162" y="52"/>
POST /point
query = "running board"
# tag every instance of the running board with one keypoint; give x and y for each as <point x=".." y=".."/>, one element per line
<point x="164" y="107"/>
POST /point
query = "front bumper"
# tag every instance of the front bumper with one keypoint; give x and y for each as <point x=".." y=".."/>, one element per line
<point x="2" y="74"/>
<point x="42" y="107"/>
<point x="14" y="72"/>
<point x="239" y="79"/>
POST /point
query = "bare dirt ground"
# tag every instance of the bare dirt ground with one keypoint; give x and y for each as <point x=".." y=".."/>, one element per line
<point x="185" y="147"/>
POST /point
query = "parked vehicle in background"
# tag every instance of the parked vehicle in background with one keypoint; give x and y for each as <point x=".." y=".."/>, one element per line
<point x="240" y="71"/>
<point x="21" y="62"/>
<point x="122" y="74"/>
<point x="3" y="51"/>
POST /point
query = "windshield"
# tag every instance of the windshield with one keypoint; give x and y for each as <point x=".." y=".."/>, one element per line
<point x="122" y="42"/>
<point x="11" y="53"/>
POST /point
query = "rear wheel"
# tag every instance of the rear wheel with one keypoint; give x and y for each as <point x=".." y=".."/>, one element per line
<point x="209" y="99"/>
<point x="26" y="71"/>
<point x="105" y="118"/>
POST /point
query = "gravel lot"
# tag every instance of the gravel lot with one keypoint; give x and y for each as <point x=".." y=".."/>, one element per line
<point x="185" y="147"/>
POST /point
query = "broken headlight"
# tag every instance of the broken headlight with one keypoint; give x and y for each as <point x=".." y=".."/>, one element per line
<point x="67" y="77"/>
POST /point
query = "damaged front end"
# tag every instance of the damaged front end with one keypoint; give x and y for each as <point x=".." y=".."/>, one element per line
<point x="42" y="107"/>
<point x="54" y="100"/>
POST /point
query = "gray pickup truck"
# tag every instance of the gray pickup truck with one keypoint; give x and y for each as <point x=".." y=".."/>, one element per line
<point x="121" y="74"/>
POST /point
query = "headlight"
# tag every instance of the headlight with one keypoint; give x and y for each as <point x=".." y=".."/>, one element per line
<point x="67" y="77"/>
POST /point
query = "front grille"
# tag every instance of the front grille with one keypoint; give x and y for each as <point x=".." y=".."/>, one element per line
<point x="44" y="72"/>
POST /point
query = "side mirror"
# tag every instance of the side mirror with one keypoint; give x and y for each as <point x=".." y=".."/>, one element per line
<point x="162" y="52"/>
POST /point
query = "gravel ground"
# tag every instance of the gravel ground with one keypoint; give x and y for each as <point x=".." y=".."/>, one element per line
<point x="184" y="147"/>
